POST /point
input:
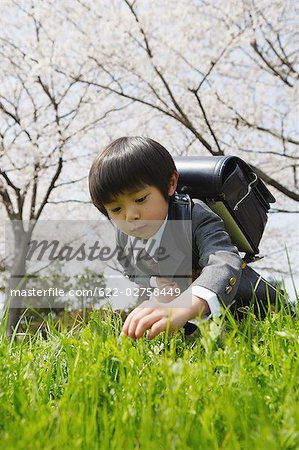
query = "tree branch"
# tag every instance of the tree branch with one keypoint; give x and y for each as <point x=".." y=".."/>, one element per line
<point x="275" y="72"/>
<point x="50" y="188"/>
<point x="276" y="184"/>
<point x="195" y="92"/>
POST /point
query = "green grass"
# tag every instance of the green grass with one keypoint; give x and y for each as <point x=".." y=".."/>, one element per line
<point x="233" y="387"/>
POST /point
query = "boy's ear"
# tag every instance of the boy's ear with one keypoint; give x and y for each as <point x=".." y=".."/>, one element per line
<point x="173" y="183"/>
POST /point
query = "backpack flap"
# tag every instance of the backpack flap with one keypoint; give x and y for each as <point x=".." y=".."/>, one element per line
<point x="233" y="191"/>
<point x="201" y="176"/>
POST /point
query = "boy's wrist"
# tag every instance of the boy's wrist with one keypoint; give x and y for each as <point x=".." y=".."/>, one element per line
<point x="200" y="307"/>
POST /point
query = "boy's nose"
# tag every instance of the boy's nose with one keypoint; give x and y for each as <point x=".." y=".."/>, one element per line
<point x="132" y="214"/>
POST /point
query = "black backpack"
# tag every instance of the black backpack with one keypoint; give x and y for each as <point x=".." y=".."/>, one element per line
<point x="231" y="189"/>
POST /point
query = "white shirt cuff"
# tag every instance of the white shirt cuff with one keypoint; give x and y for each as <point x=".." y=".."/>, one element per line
<point x="209" y="296"/>
<point x="211" y="299"/>
<point x="153" y="282"/>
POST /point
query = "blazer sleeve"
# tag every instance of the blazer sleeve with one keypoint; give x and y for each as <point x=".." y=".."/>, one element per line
<point x="218" y="258"/>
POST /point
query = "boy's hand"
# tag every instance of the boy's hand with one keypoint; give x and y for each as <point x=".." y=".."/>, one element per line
<point x="157" y="318"/>
<point x="154" y="318"/>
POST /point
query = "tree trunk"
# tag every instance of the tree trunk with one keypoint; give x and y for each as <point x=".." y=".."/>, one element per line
<point x="17" y="281"/>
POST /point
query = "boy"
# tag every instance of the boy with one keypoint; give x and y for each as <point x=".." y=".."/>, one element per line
<point x="133" y="183"/>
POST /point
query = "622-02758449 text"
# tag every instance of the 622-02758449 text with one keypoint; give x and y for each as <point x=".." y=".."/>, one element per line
<point x="97" y="291"/>
<point x="139" y="291"/>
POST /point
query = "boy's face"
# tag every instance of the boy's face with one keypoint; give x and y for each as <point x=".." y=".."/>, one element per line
<point x="140" y="213"/>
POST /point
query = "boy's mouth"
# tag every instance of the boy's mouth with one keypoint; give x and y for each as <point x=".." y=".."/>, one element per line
<point x="138" y="229"/>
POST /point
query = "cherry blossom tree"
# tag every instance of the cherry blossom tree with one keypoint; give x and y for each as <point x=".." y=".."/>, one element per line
<point x="45" y="117"/>
<point x="224" y="73"/>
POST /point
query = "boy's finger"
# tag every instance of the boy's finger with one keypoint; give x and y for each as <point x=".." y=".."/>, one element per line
<point x="131" y="316"/>
<point x="121" y="336"/>
<point x="146" y="322"/>
<point x="135" y="320"/>
<point x="158" y="327"/>
<point x="128" y="320"/>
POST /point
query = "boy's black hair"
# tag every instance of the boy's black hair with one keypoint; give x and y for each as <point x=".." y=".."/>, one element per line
<point x="126" y="164"/>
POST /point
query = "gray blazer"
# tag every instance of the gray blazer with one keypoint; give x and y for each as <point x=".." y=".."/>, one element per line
<point x="216" y="263"/>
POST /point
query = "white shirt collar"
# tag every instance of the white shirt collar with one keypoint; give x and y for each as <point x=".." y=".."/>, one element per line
<point x="150" y="245"/>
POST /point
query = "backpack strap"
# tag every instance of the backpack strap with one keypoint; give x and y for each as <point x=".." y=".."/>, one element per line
<point x="180" y="208"/>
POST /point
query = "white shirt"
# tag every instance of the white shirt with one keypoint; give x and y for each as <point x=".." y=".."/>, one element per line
<point x="151" y="245"/>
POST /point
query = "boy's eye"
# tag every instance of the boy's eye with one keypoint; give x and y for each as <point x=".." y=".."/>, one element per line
<point x="138" y="200"/>
<point x="141" y="199"/>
